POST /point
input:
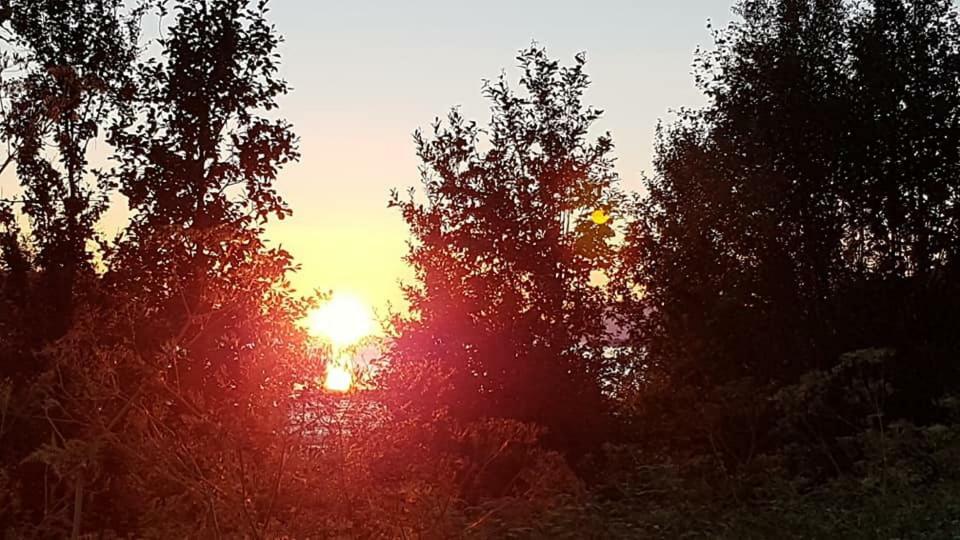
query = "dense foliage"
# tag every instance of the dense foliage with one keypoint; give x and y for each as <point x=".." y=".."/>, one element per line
<point x="763" y="343"/>
<point x="504" y="252"/>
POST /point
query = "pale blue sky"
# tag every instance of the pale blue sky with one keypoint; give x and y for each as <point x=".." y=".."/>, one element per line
<point x="365" y="74"/>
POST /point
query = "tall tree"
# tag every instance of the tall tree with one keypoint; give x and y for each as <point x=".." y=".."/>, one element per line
<point x="904" y="153"/>
<point x="198" y="165"/>
<point x="810" y="204"/>
<point x="504" y="248"/>
<point x="74" y="62"/>
<point x="175" y="376"/>
<point x="77" y="58"/>
<point x="742" y="224"/>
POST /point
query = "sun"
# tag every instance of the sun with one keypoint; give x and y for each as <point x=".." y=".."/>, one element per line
<point x="343" y="320"/>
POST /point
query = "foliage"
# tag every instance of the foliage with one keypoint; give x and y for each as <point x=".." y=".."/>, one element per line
<point x="773" y="208"/>
<point x="75" y="63"/>
<point x="175" y="378"/>
<point x="776" y="343"/>
<point x="504" y="252"/>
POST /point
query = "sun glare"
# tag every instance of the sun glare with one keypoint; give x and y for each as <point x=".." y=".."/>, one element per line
<point x="343" y="320"/>
<point x="339" y="379"/>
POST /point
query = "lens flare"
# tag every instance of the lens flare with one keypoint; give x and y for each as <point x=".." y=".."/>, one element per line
<point x="600" y="216"/>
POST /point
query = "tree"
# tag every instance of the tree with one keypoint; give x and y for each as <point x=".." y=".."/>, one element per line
<point x="504" y="249"/>
<point x="905" y="157"/>
<point x="73" y="69"/>
<point x="198" y="170"/>
<point x="77" y="58"/>
<point x="808" y="205"/>
<point x="214" y="319"/>
<point x="175" y="375"/>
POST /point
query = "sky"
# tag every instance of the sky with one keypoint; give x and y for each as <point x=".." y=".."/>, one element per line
<point x="366" y="74"/>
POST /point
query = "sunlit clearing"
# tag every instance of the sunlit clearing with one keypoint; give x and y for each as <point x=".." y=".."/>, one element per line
<point x="343" y="320"/>
<point x="599" y="217"/>
<point x="339" y="379"/>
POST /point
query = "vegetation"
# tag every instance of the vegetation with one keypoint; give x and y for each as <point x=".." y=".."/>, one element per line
<point x="763" y="343"/>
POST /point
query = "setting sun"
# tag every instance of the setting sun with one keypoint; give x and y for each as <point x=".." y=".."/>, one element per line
<point x="343" y="320"/>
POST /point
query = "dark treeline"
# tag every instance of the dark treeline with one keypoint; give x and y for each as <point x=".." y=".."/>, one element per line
<point x="762" y="343"/>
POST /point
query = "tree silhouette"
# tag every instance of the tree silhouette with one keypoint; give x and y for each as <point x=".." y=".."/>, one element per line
<point x="215" y="320"/>
<point x="809" y="205"/>
<point x="770" y="324"/>
<point x="175" y="375"/>
<point x="903" y="80"/>
<point x="504" y="248"/>
<point x="743" y="225"/>
<point x="76" y="58"/>
<point x="72" y="71"/>
<point x="198" y="169"/>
